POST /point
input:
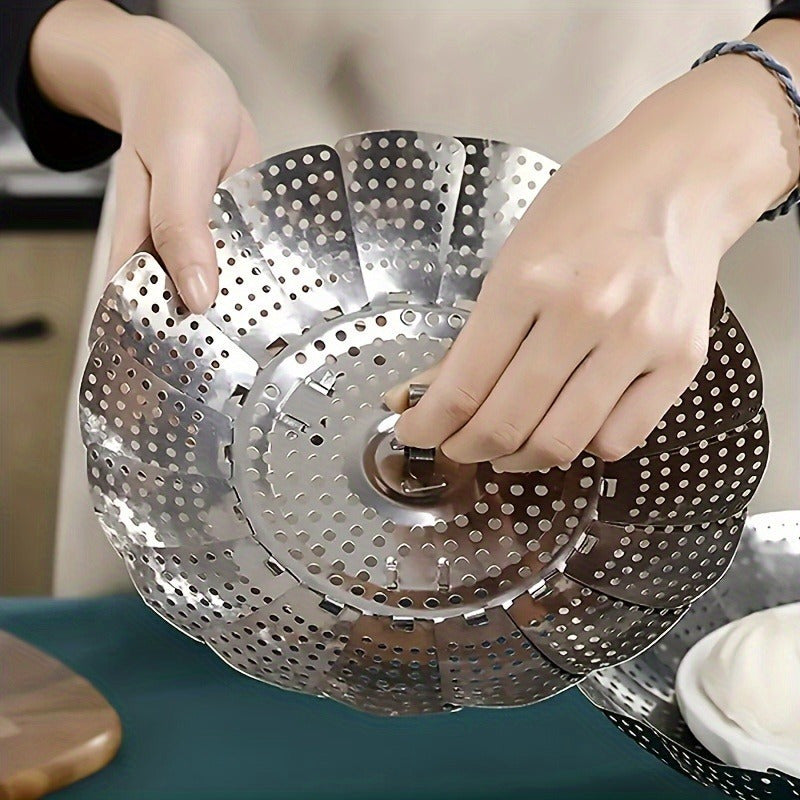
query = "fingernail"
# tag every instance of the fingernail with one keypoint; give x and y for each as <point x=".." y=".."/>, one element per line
<point x="398" y="428"/>
<point x="391" y="398"/>
<point x="401" y="433"/>
<point x="195" y="289"/>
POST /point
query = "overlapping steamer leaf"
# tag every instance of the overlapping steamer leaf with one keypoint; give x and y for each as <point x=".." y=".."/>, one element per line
<point x="127" y="409"/>
<point x="150" y="506"/>
<point x="710" y="480"/>
<point x="581" y="630"/>
<point x="725" y="394"/>
<point x="292" y="641"/>
<point x="402" y="188"/>
<point x="196" y="588"/>
<point x="252" y="308"/>
<point x="295" y="208"/>
<point x="142" y="311"/>
<point x="486" y="660"/>
<point x="498" y="185"/>
<point x="388" y="666"/>
<point x="660" y="567"/>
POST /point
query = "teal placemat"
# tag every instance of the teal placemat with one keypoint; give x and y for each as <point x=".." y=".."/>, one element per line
<point x="196" y="729"/>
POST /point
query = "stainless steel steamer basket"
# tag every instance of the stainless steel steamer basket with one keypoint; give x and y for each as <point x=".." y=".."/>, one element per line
<point x="639" y="698"/>
<point x="243" y="465"/>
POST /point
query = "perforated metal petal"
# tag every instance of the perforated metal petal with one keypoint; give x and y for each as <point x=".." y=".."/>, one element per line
<point x="194" y="587"/>
<point x="498" y="185"/>
<point x="486" y="660"/>
<point x="244" y="465"/>
<point x="713" y="478"/>
<point x="292" y="641"/>
<point x="662" y="567"/>
<point x="152" y="506"/>
<point x="582" y="630"/>
<point x="251" y="308"/>
<point x="390" y="665"/>
<point x="296" y="208"/>
<point x="725" y="393"/>
<point x="639" y="696"/>
<point x="127" y="409"/>
<point x="142" y="311"/>
<point x="402" y="188"/>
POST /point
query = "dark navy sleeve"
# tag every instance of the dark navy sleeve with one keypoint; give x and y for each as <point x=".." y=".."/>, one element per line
<point x="57" y="140"/>
<point x="788" y="9"/>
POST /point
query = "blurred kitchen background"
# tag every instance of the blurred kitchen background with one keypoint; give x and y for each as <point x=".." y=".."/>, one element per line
<point x="47" y="230"/>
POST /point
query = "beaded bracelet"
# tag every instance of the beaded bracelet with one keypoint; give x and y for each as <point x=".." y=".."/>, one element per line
<point x="785" y="77"/>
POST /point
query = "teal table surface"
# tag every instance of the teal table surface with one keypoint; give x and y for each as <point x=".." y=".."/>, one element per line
<point x="195" y="728"/>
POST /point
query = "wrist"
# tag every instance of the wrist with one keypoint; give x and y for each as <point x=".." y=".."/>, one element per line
<point x="91" y="58"/>
<point x="716" y="147"/>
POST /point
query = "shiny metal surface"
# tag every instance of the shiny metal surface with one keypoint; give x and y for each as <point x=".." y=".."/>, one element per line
<point x="498" y="184"/>
<point x="402" y="188"/>
<point x="296" y="208"/>
<point x="244" y="466"/>
<point x="638" y="696"/>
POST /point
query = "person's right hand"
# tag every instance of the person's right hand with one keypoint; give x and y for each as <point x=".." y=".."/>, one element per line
<point x="183" y="128"/>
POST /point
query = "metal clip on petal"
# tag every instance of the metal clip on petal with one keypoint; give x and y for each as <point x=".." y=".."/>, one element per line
<point x="421" y="480"/>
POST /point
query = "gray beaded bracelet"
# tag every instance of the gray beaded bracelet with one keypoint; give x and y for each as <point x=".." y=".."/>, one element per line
<point x="785" y="77"/>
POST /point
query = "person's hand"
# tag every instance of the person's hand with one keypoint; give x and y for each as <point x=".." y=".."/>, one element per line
<point x="183" y="131"/>
<point x="589" y="325"/>
<point x="595" y="315"/>
<point x="183" y="128"/>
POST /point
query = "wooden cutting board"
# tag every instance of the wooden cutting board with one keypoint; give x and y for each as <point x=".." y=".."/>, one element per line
<point x="55" y="727"/>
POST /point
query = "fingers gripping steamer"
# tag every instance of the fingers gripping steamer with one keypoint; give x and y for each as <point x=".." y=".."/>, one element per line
<point x="243" y="465"/>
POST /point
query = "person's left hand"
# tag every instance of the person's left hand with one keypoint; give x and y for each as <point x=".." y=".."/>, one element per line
<point x="183" y="129"/>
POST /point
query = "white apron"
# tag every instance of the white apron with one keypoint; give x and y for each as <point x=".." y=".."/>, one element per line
<point x="550" y="74"/>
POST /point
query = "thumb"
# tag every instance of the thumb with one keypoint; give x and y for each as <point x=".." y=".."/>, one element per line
<point x="397" y="397"/>
<point x="180" y="196"/>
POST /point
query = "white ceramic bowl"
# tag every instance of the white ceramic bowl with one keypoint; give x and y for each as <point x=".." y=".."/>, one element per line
<point x="720" y="735"/>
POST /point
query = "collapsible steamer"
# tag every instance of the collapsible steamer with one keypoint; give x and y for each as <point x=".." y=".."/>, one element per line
<point x="243" y="465"/>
